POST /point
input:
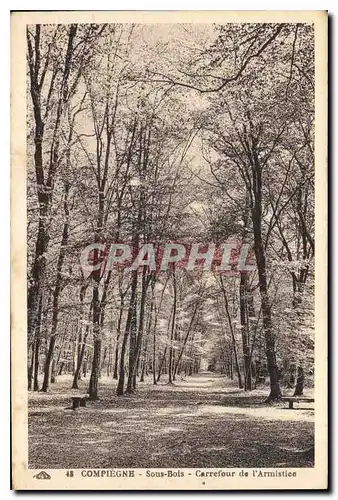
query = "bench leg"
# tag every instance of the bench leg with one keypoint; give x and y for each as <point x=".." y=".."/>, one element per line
<point x="290" y="405"/>
<point x="83" y="402"/>
<point x="76" y="403"/>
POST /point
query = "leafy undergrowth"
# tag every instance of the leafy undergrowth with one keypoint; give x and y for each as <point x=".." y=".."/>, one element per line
<point x="203" y="421"/>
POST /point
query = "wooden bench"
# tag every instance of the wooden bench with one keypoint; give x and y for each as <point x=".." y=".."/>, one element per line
<point x="79" y="401"/>
<point x="297" y="399"/>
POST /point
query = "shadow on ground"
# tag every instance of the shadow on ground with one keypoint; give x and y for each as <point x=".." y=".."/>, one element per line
<point x="200" y="422"/>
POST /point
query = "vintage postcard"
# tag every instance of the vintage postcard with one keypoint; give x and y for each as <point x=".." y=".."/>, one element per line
<point x="169" y="250"/>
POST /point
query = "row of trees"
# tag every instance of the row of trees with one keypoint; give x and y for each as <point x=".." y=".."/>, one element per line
<point x="131" y="139"/>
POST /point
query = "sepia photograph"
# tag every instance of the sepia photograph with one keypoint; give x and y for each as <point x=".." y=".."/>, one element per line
<point x="170" y="190"/>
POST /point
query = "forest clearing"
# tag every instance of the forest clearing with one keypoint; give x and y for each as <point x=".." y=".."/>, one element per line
<point x="202" y="421"/>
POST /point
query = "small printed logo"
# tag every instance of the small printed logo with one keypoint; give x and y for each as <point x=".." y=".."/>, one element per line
<point x="42" y="475"/>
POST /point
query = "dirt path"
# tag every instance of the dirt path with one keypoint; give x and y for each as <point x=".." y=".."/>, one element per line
<point x="202" y="421"/>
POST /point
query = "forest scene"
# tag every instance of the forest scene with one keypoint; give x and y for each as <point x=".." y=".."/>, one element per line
<point x="180" y="134"/>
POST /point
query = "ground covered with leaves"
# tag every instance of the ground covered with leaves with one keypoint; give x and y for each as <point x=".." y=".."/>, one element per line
<point x="202" y="421"/>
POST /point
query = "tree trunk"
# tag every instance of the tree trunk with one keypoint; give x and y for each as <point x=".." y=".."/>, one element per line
<point x="300" y="382"/>
<point x="275" y="393"/>
<point x="132" y="341"/>
<point x="226" y="303"/>
<point x="154" y="355"/>
<point x="144" y="370"/>
<point x="57" y="291"/>
<point x="245" y="330"/>
<point x="81" y="357"/>
<point x="130" y="325"/>
<point x="116" y="362"/>
<point x="48" y="361"/>
<point x="136" y="340"/>
<point x="104" y="357"/>
<point x="94" y="376"/>
<point x="173" y="326"/>
<point x="256" y="214"/>
<point x="53" y="374"/>
<point x="160" y="366"/>
<point x="36" y="349"/>
<point x="186" y="338"/>
<point x="31" y="367"/>
<point x="119" y="323"/>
